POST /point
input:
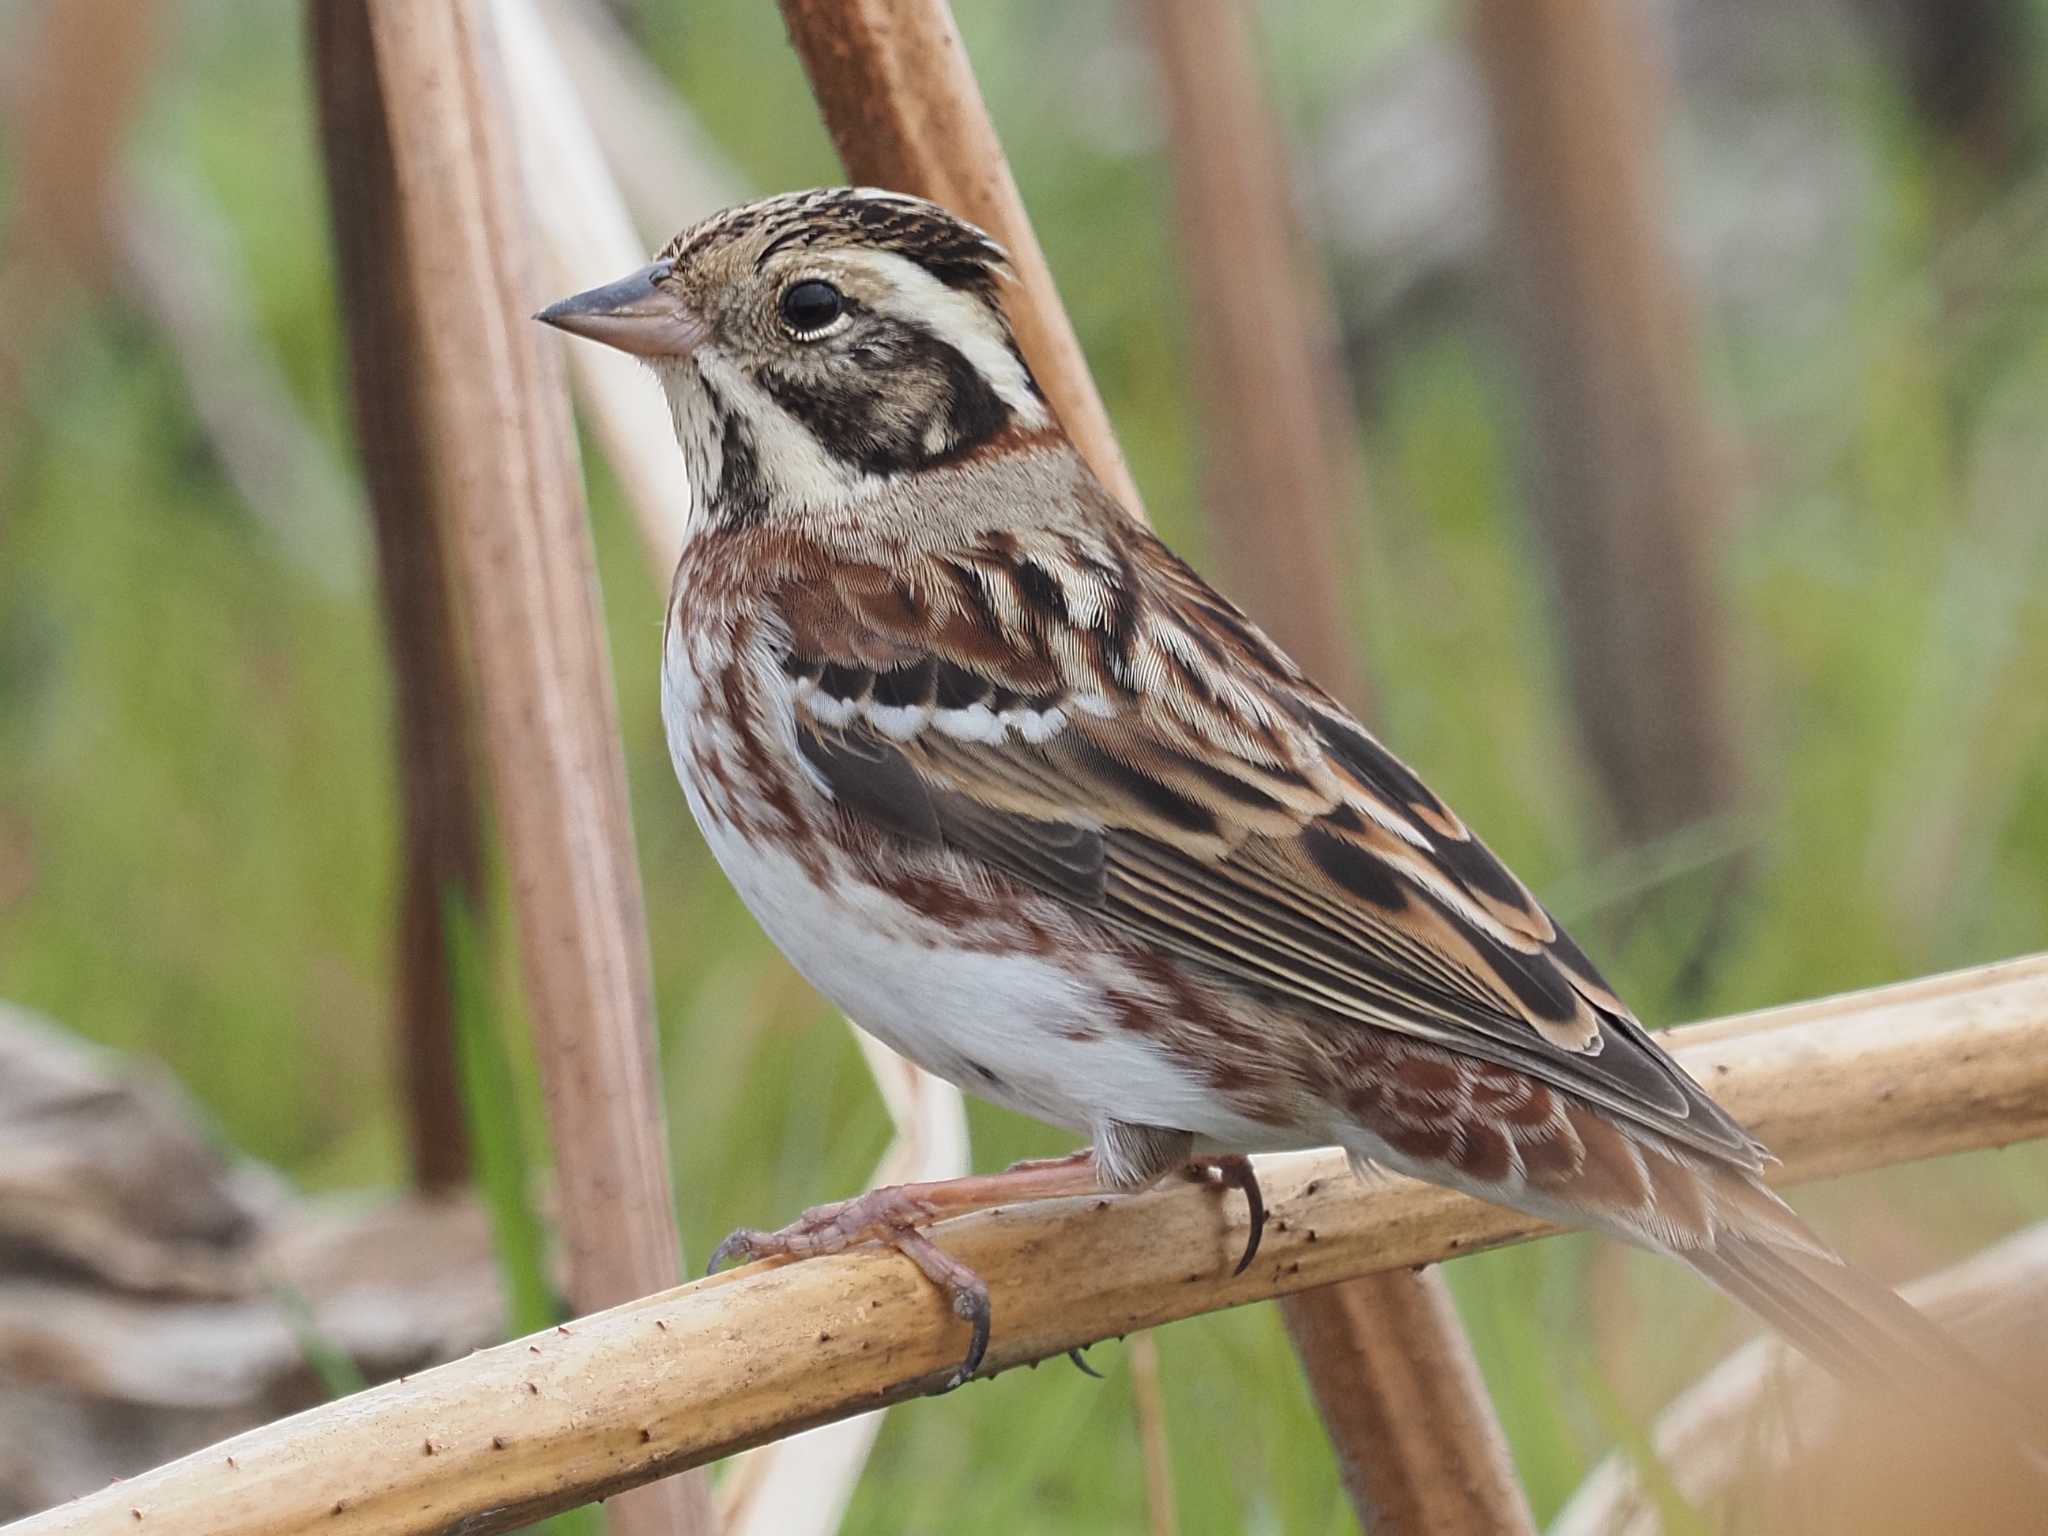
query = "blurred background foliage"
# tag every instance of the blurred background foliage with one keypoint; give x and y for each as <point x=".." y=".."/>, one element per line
<point x="196" y="778"/>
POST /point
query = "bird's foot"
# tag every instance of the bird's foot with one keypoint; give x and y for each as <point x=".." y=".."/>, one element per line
<point x="897" y="1216"/>
<point x="893" y="1215"/>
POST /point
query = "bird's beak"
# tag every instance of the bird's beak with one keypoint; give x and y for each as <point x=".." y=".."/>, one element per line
<point x="635" y="314"/>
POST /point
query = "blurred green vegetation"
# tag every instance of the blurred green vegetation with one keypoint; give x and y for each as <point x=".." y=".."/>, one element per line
<point x="196" y="781"/>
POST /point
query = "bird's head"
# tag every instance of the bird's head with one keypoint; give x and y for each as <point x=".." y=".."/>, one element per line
<point x="816" y="345"/>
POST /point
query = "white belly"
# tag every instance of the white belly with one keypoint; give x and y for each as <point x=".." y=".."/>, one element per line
<point x="1013" y="1027"/>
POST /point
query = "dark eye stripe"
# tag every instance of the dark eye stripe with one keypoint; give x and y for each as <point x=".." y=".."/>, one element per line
<point x="883" y="415"/>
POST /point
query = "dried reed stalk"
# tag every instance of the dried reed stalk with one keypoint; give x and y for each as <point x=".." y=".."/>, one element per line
<point x="667" y="168"/>
<point x="435" y="177"/>
<point x="507" y="1435"/>
<point x="84" y="66"/>
<point x="87" y="69"/>
<point x="1148" y="1404"/>
<point x="1416" y="1437"/>
<point x="441" y="843"/>
<point x="1628" y="491"/>
<point x="587" y="238"/>
<point x="1282" y="480"/>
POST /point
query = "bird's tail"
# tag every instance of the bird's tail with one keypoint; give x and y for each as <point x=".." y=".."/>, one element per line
<point x="1864" y="1332"/>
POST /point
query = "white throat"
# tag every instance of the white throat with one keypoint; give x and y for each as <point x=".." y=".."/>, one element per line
<point x="716" y="410"/>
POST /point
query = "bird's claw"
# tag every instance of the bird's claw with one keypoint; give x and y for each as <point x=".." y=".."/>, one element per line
<point x="969" y="1300"/>
<point x="1235" y="1171"/>
<point x="739" y="1244"/>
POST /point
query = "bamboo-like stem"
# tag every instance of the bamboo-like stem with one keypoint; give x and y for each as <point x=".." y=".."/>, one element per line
<point x="1418" y="1444"/>
<point x="453" y="265"/>
<point x="675" y="1380"/>
<point x="89" y="70"/>
<point x="904" y="111"/>
<point x="1148" y="1403"/>
<point x="1416" y="1438"/>
<point x="441" y="842"/>
<point x="88" y="65"/>
<point x="1627" y="488"/>
<point x="1282" y="480"/>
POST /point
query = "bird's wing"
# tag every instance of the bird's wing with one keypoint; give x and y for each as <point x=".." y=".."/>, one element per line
<point x="1086" y="715"/>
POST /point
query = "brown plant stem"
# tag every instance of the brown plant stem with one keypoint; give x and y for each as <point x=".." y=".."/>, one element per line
<point x="668" y="171"/>
<point x="450" y="269"/>
<point x="441" y="857"/>
<point x="1626" y="485"/>
<point x="90" y="72"/>
<point x="1416" y="1438"/>
<point x="87" y="71"/>
<point x="1148" y="1402"/>
<point x="1282" y="481"/>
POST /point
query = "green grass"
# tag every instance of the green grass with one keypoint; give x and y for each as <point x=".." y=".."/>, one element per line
<point x="197" y="799"/>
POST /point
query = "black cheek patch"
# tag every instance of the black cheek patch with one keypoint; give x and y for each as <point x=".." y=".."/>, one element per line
<point x="906" y="389"/>
<point x="974" y="411"/>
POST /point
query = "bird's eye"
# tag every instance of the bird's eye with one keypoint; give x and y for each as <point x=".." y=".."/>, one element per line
<point x="811" y="306"/>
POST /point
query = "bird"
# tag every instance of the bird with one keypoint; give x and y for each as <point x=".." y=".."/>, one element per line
<point x="1039" y="808"/>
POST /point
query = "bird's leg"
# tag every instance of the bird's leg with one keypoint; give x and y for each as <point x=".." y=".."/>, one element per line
<point x="1127" y="1158"/>
<point x="1083" y="1157"/>
<point x="897" y="1214"/>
